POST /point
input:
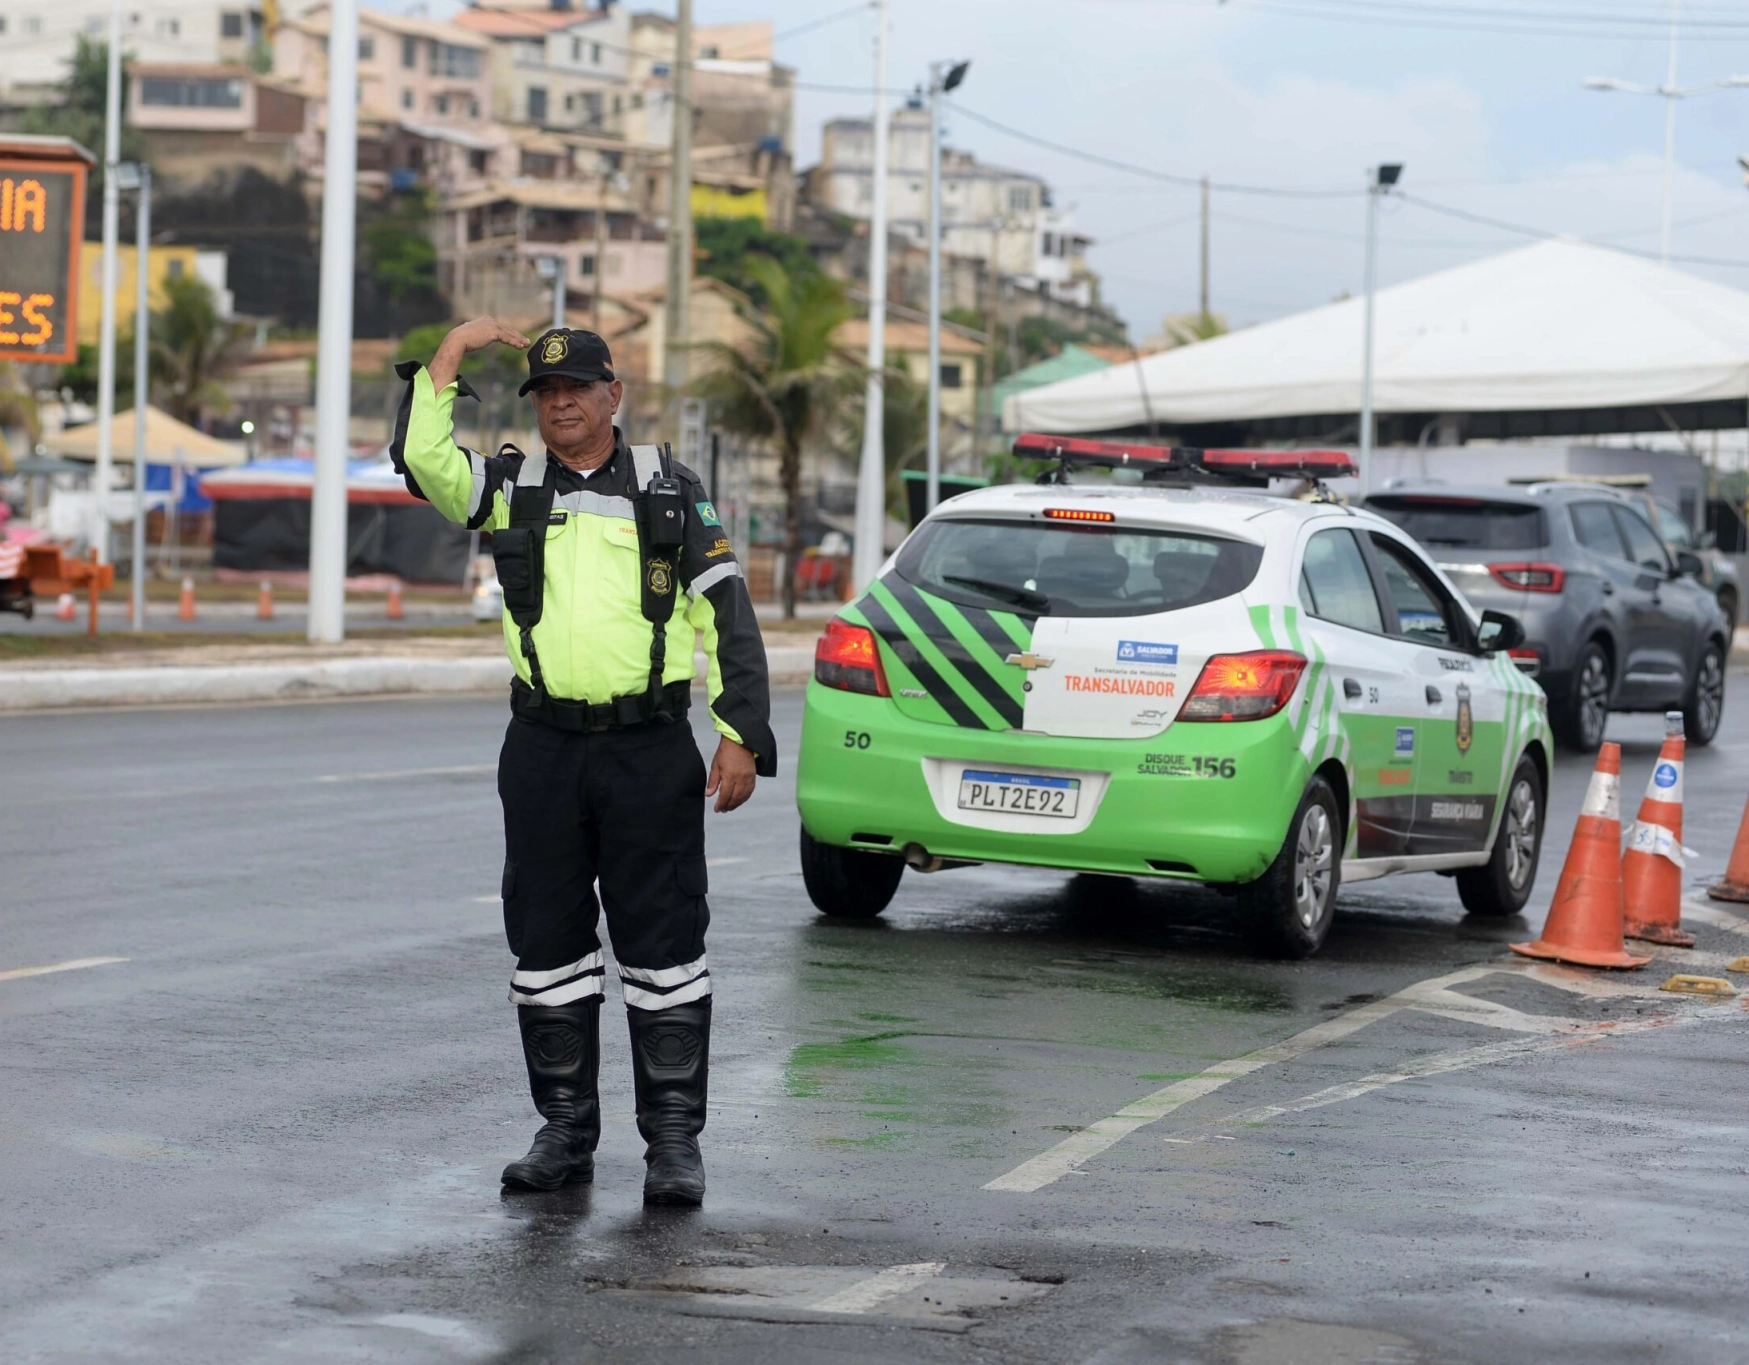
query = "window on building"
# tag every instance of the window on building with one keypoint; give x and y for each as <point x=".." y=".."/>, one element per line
<point x="230" y="25"/>
<point x="367" y="48"/>
<point x="441" y="104"/>
<point x="576" y="49"/>
<point x="406" y="99"/>
<point x="537" y="104"/>
<point x="410" y="53"/>
<point x="570" y="103"/>
<point x="191" y="92"/>
<point x="473" y="109"/>
<point x="94" y="25"/>
<point x="477" y="162"/>
<point x="586" y="265"/>
<point x="32" y="25"/>
<point x="618" y="107"/>
<point x="638" y="99"/>
<point x="2" y="24"/>
<point x="708" y="52"/>
<point x="451" y="59"/>
<point x="1020" y="198"/>
<point x="950" y="376"/>
<point x="595" y="54"/>
<point x="175" y="268"/>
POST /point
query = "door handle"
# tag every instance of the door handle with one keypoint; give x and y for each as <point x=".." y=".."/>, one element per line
<point x="1433" y="695"/>
<point x="1351" y="689"/>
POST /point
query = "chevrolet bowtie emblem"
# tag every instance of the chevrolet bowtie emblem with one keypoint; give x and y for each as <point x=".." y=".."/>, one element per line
<point x="1028" y="661"/>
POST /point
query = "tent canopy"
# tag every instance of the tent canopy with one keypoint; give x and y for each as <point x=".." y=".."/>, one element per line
<point x="167" y="442"/>
<point x="1557" y="338"/>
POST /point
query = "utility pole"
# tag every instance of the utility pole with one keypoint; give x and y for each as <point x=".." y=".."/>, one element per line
<point x="105" y="471"/>
<point x="871" y="474"/>
<point x="1670" y="93"/>
<point x="1202" y="292"/>
<point x="677" y="320"/>
<point x="939" y="84"/>
<point x="1379" y="181"/>
<point x="327" y="623"/>
<point x="558" y="291"/>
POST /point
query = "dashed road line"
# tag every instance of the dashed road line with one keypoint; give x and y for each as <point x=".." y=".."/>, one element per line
<point x="869" y="1294"/>
<point x="460" y="770"/>
<point x="76" y="964"/>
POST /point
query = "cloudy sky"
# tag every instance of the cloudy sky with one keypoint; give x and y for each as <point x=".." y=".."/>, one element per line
<point x="1481" y="99"/>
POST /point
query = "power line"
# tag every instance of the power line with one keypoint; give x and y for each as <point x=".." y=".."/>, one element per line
<point x="1519" y="23"/>
<point x="821" y="22"/>
<point x="1543" y="234"/>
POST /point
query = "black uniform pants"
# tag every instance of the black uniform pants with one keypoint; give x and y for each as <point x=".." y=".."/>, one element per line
<point x="624" y="808"/>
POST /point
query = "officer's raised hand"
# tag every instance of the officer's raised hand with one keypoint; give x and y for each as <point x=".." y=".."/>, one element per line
<point x="467" y="338"/>
<point x="732" y="778"/>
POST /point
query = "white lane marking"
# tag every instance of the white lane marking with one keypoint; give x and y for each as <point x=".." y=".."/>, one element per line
<point x="75" y="965"/>
<point x="389" y="776"/>
<point x="723" y="862"/>
<point x="1719" y="919"/>
<point x="877" y="1289"/>
<point x="1079" y="1148"/>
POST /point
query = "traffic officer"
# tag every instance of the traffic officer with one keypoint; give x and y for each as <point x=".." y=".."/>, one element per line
<point x="612" y="560"/>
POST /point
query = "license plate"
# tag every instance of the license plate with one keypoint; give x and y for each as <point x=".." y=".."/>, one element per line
<point x="1020" y="794"/>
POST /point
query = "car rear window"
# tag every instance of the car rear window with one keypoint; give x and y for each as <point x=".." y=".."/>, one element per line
<point x="1465" y="523"/>
<point x="1075" y="571"/>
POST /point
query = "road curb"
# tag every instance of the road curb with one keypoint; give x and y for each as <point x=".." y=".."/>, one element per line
<point x="51" y="689"/>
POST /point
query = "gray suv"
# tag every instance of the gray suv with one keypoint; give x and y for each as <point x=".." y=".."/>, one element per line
<point x="1611" y="621"/>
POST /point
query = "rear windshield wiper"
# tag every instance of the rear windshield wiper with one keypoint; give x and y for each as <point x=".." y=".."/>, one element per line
<point x="1021" y="597"/>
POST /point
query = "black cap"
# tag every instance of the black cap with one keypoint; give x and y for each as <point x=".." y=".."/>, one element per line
<point x="575" y="354"/>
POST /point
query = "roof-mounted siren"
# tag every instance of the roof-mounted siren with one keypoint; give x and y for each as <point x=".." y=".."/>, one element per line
<point x="1175" y="464"/>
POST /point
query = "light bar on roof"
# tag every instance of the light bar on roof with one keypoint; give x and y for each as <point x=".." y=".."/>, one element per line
<point x="1256" y="464"/>
<point x="1299" y="464"/>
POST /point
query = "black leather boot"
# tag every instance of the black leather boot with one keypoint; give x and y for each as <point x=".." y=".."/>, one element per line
<point x="670" y="1068"/>
<point x="562" y="1045"/>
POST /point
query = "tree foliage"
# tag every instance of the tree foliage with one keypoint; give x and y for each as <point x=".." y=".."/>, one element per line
<point x="192" y="350"/>
<point x="785" y="382"/>
<point x="78" y="112"/>
<point x="728" y="247"/>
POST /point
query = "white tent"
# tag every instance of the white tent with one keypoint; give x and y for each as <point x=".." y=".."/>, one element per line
<point x="1561" y="326"/>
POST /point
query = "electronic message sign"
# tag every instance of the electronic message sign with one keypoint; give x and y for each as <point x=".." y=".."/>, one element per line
<point x="42" y="214"/>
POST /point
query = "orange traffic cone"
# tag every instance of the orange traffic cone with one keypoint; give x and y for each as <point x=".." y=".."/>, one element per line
<point x="65" y="608"/>
<point x="1735" y="886"/>
<point x="395" y="600"/>
<point x="264" y="602"/>
<point x="1585" y="921"/>
<point x="1651" y="869"/>
<point x="185" y="604"/>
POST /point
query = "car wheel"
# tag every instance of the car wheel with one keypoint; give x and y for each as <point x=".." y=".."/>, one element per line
<point x="1706" y="697"/>
<point x="847" y="883"/>
<point x="1728" y="605"/>
<point x="1503" y="884"/>
<point x="1289" y="908"/>
<point x="1580" y="720"/>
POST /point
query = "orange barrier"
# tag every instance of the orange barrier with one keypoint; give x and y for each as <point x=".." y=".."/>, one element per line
<point x="1585" y="922"/>
<point x="185" y="603"/>
<point x="395" y="613"/>
<point x="264" y="602"/>
<point x="1651" y="868"/>
<point x="65" y="608"/>
<point x="1735" y="886"/>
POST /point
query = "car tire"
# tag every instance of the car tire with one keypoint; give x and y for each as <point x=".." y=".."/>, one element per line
<point x="1582" y="715"/>
<point x="1287" y="911"/>
<point x="1728" y="605"/>
<point x="1502" y="885"/>
<point x="1705" y="706"/>
<point x="847" y="883"/>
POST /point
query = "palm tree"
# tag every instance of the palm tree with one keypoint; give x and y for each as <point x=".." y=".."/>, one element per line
<point x="783" y="383"/>
<point x="17" y="409"/>
<point x="193" y="348"/>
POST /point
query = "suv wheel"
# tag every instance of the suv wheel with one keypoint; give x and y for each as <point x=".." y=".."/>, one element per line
<point x="846" y="882"/>
<point x="1289" y="908"/>
<point x="1580" y="718"/>
<point x="1706" y="696"/>
<point x="1502" y="885"/>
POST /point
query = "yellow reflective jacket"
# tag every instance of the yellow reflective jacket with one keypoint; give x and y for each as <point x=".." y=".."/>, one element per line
<point x="592" y="639"/>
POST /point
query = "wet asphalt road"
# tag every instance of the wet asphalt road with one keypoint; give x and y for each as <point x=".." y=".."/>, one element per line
<point x="272" y="1131"/>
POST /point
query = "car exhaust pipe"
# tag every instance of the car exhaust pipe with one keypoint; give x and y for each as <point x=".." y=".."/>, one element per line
<point x="920" y="859"/>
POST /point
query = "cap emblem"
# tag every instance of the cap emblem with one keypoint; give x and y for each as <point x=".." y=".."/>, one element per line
<point x="553" y="349"/>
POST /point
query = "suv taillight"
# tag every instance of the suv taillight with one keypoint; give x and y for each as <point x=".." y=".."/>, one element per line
<point x="1534" y="577"/>
<point x="847" y="658"/>
<point x="1244" y="686"/>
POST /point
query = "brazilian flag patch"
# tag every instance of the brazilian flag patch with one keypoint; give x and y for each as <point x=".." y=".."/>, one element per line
<point x="708" y="514"/>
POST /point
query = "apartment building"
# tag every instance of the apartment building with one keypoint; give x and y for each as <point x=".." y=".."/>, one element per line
<point x="556" y="68"/>
<point x="38" y="37"/>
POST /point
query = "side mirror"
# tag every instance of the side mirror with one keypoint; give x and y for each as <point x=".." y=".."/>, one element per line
<point x="1499" y="631"/>
<point x="1689" y="563"/>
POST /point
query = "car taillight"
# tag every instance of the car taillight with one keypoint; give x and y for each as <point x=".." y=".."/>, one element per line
<point x="846" y="658"/>
<point x="1530" y="577"/>
<point x="1244" y="686"/>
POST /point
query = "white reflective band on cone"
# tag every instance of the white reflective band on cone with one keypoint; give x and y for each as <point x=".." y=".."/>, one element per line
<point x="1656" y="840"/>
<point x="1671" y="788"/>
<point x="1603" y="796"/>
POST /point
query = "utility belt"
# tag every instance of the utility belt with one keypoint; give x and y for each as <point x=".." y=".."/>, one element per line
<point x="590" y="718"/>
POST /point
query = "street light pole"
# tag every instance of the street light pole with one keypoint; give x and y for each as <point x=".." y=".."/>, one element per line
<point x="105" y="471"/>
<point x="327" y="623"/>
<point x="677" y="318"/>
<point x="871" y="474"/>
<point x="558" y="291"/>
<point x="939" y="84"/>
<point x="142" y="389"/>
<point x="1379" y="181"/>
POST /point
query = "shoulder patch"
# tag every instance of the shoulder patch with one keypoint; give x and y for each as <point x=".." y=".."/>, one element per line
<point x="707" y="514"/>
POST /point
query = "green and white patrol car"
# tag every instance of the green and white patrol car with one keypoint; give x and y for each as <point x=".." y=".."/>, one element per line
<point x="1181" y="678"/>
